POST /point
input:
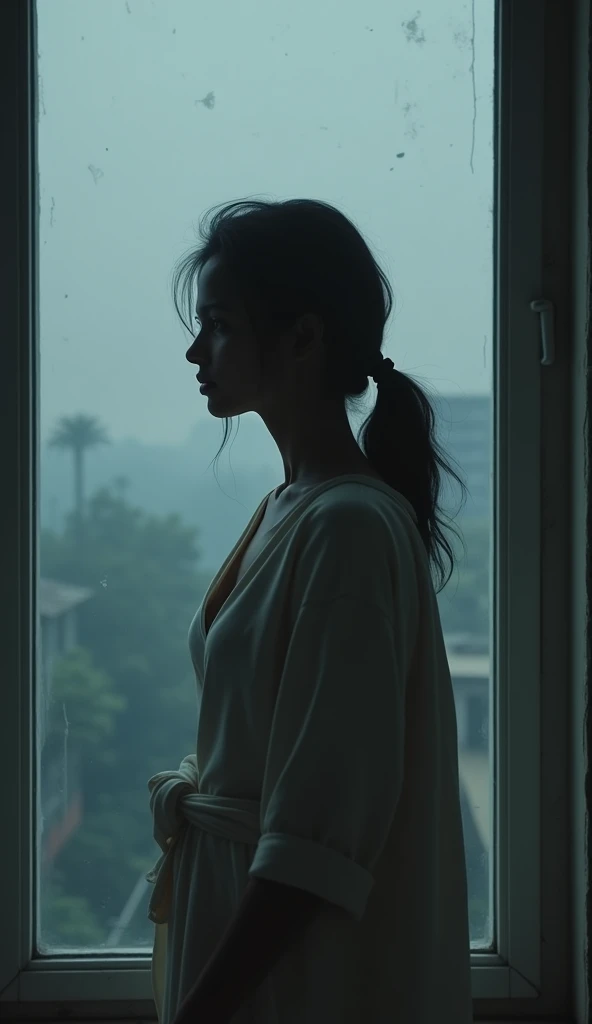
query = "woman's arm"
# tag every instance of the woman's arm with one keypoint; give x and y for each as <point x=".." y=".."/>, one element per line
<point x="269" y="918"/>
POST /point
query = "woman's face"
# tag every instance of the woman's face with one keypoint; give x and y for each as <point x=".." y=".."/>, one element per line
<point x="228" y="352"/>
<point x="225" y="348"/>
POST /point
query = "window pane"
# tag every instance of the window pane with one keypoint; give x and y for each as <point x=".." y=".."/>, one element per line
<point x="150" y="113"/>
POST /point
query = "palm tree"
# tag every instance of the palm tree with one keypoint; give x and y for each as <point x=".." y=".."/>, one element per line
<point x="78" y="433"/>
<point x="121" y="484"/>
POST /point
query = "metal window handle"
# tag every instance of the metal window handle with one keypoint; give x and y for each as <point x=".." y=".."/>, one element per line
<point x="546" y="311"/>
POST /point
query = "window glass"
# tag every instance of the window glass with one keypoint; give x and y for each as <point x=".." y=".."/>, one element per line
<point x="149" y="113"/>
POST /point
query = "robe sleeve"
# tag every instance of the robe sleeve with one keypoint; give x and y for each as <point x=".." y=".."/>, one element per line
<point x="335" y="755"/>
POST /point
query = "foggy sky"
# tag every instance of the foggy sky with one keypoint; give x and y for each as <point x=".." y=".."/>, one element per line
<point x="151" y="111"/>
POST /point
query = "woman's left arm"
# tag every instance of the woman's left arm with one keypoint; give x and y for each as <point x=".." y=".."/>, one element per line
<point x="269" y="918"/>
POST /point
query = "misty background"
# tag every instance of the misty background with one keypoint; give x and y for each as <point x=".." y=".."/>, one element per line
<point x="149" y="112"/>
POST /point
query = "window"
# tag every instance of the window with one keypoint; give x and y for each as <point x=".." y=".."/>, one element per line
<point x="400" y="118"/>
<point x="119" y="160"/>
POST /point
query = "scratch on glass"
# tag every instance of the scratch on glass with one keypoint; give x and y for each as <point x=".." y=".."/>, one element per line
<point x="472" y="71"/>
<point x="96" y="172"/>
<point x="41" y="97"/>
<point x="66" y="733"/>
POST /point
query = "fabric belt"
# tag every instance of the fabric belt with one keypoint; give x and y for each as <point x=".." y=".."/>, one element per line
<point x="175" y="802"/>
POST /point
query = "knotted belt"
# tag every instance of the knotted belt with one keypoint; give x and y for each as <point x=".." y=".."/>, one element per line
<point x="175" y="802"/>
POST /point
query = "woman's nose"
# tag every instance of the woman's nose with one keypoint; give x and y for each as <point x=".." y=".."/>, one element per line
<point x="191" y="355"/>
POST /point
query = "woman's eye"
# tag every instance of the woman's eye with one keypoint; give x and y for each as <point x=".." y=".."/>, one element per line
<point x="211" y="321"/>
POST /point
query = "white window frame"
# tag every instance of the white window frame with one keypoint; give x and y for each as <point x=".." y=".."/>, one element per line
<point x="511" y="980"/>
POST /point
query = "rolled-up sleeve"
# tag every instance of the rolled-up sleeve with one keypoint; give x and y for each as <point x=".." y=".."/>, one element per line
<point x="334" y="764"/>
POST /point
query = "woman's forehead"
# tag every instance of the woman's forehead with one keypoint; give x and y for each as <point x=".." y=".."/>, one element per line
<point x="215" y="286"/>
<point x="213" y="275"/>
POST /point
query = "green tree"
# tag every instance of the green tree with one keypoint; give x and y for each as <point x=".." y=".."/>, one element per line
<point x="78" y="434"/>
<point x="80" y="728"/>
<point x="90" y="698"/>
<point x="70" y="921"/>
<point x="131" y="697"/>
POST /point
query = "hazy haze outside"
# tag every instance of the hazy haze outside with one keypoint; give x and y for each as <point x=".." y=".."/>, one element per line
<point x="150" y="113"/>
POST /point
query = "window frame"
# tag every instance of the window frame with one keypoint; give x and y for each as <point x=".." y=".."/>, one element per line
<point x="512" y="977"/>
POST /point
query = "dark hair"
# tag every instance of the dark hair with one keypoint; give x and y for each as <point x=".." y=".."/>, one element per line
<point x="302" y="256"/>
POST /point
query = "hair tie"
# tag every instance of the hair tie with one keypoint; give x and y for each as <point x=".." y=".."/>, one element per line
<point x="381" y="367"/>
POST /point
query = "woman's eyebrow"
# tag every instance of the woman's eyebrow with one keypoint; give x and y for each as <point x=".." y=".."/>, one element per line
<point x="201" y="310"/>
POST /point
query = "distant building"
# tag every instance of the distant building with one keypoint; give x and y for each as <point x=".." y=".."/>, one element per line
<point x="465" y="429"/>
<point x="58" y="604"/>
<point x="470" y="667"/>
<point x="468" y="660"/>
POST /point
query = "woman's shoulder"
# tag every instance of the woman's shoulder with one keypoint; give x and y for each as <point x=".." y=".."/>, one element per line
<point x="361" y="504"/>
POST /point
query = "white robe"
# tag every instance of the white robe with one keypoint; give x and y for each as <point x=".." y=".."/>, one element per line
<point x="326" y="759"/>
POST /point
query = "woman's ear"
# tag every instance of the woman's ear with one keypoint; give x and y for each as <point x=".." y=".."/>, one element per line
<point x="308" y="336"/>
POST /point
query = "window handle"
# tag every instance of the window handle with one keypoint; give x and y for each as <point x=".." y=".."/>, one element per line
<point x="545" y="309"/>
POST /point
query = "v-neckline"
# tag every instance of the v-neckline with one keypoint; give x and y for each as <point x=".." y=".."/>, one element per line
<point x="257" y="519"/>
<point x="223" y="570"/>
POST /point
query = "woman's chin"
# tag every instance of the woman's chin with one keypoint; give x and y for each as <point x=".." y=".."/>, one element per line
<point x="220" y="409"/>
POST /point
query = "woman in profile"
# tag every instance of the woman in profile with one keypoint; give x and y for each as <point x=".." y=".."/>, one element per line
<point x="313" y="866"/>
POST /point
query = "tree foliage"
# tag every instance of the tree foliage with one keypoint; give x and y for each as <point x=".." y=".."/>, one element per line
<point x="128" y="692"/>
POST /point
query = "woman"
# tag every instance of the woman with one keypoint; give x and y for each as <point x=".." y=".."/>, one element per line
<point x="313" y="866"/>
